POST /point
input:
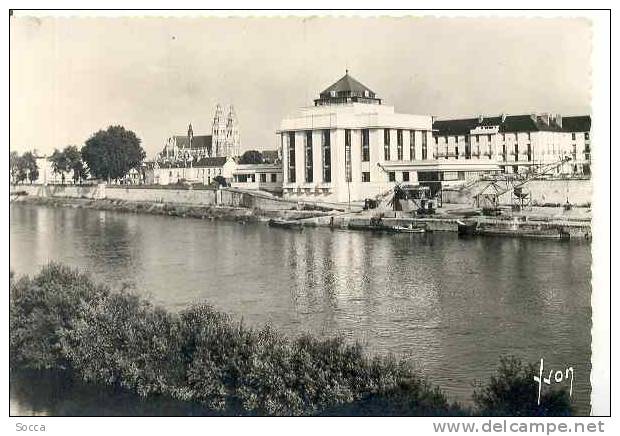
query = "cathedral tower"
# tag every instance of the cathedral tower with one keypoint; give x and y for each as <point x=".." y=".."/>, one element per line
<point x="218" y="132"/>
<point x="232" y="133"/>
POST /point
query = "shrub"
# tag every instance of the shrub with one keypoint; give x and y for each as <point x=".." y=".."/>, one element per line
<point x="60" y="319"/>
<point x="513" y="392"/>
<point x="42" y="309"/>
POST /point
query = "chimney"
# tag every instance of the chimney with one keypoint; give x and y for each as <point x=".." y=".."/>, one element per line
<point x="503" y="118"/>
<point x="558" y="120"/>
<point x="545" y="118"/>
<point x="480" y="118"/>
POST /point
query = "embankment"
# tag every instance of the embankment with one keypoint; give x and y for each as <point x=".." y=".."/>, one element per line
<point x="578" y="192"/>
<point x="234" y="205"/>
<point x="62" y="320"/>
<point x="183" y="210"/>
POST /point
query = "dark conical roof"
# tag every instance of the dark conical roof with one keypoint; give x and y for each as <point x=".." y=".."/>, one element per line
<point x="347" y="90"/>
<point x="348" y="84"/>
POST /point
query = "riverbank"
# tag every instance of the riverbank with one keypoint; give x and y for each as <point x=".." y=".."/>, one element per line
<point x="574" y="223"/>
<point x="223" y="213"/>
<point x="62" y="320"/>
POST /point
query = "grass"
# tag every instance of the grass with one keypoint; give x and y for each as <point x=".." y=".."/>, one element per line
<point x="61" y="319"/>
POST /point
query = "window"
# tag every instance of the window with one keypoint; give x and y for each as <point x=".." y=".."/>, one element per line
<point x="412" y="145"/>
<point x="347" y="154"/>
<point x="274" y="178"/>
<point x="515" y="169"/>
<point x="386" y="144"/>
<point x="327" y="156"/>
<point x="574" y="135"/>
<point x="405" y="176"/>
<point x="587" y="135"/>
<point x="516" y="152"/>
<point x="399" y="144"/>
<point x="467" y="147"/>
<point x="309" y="156"/>
<point x="291" y="157"/>
<point x="365" y="145"/>
<point x="392" y="176"/>
<point x="424" y="147"/>
<point x="365" y="176"/>
<point x="529" y="152"/>
<point x="263" y="178"/>
<point x="456" y="151"/>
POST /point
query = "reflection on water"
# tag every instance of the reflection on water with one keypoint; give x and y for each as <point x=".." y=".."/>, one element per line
<point x="450" y="305"/>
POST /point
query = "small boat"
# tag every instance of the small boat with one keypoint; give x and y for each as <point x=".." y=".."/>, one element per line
<point x="408" y="229"/>
<point x="467" y="229"/>
<point x="284" y="224"/>
<point x="371" y="227"/>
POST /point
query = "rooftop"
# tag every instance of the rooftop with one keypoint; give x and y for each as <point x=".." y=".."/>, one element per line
<point x="514" y="123"/>
<point x="347" y="90"/>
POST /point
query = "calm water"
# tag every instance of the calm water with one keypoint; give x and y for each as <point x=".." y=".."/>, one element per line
<point x="451" y="305"/>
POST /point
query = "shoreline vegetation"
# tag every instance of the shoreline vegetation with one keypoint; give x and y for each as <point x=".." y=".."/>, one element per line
<point x="60" y="319"/>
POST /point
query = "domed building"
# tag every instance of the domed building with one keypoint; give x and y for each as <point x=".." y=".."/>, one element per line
<point x="350" y="146"/>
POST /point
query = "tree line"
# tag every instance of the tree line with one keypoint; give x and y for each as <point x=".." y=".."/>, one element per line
<point x="107" y="155"/>
<point x="23" y="167"/>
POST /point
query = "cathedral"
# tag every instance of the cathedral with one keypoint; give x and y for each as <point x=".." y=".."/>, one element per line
<point x="222" y="142"/>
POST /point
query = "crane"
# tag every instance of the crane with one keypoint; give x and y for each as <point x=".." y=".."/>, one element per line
<point x="500" y="184"/>
<point x="419" y="195"/>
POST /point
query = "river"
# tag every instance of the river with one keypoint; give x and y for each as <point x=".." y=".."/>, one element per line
<point x="452" y="306"/>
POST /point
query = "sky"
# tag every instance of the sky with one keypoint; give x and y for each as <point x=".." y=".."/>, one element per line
<point x="70" y="77"/>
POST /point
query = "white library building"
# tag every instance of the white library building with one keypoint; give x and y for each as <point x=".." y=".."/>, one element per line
<point x="348" y="146"/>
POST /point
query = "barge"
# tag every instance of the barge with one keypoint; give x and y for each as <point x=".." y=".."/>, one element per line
<point x="513" y="229"/>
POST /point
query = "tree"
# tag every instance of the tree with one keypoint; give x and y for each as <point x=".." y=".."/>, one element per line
<point x="219" y="180"/>
<point x="30" y="166"/>
<point x="251" y="157"/>
<point x="74" y="162"/>
<point x="111" y="153"/>
<point x="60" y="165"/>
<point x="23" y="167"/>
<point x="14" y="166"/>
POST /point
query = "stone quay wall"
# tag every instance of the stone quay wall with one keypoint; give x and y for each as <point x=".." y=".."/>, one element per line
<point x="195" y="197"/>
<point x="542" y="192"/>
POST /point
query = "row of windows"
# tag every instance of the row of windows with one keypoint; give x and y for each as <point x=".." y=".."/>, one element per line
<point x="309" y="161"/>
<point x="391" y="176"/>
<point x="251" y="178"/>
<point x="326" y="152"/>
<point x="473" y="138"/>
<point x="476" y="138"/>
<point x="586" y="136"/>
<point x="387" y="153"/>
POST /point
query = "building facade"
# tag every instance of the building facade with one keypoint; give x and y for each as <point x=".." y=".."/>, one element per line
<point x="349" y="145"/>
<point x="515" y="143"/>
<point x="258" y="177"/>
<point x="203" y="171"/>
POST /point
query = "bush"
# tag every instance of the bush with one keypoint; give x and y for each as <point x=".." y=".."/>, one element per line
<point x="42" y="309"/>
<point x="60" y="319"/>
<point x="513" y="392"/>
